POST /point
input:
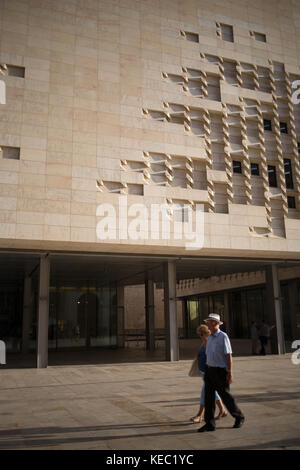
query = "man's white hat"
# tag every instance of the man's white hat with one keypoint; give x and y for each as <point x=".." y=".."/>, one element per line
<point x="215" y="317"/>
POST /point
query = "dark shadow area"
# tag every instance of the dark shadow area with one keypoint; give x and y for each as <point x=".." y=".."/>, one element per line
<point x="84" y="357"/>
<point x="256" y="398"/>
<point x="280" y="445"/>
<point x="53" y="436"/>
<point x="72" y="357"/>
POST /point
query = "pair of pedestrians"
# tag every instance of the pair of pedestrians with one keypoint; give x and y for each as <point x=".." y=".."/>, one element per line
<point x="204" y="333"/>
<point x="218" y="375"/>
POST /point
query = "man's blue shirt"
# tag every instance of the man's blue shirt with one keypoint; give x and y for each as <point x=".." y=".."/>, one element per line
<point x="217" y="347"/>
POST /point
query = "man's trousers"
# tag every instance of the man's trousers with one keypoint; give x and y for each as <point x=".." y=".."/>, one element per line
<point x="216" y="380"/>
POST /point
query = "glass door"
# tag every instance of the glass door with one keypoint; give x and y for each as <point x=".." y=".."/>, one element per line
<point x="192" y="317"/>
<point x="82" y="314"/>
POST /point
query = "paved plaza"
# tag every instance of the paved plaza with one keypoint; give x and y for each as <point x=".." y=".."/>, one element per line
<point x="145" y="405"/>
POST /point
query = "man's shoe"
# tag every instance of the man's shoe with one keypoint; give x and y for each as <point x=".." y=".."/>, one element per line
<point x="206" y="428"/>
<point x="239" y="422"/>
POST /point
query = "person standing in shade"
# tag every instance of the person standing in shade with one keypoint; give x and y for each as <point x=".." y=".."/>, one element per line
<point x="218" y="375"/>
<point x="264" y="335"/>
<point x="273" y="340"/>
<point x="254" y="338"/>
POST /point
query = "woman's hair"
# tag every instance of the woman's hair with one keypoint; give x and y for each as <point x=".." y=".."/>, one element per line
<point x="203" y="329"/>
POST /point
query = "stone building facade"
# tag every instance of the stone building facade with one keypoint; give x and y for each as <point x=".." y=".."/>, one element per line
<point x="114" y="108"/>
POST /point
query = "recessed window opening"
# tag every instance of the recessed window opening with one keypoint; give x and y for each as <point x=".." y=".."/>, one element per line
<point x="259" y="36"/>
<point x="193" y="37"/>
<point x="227" y="32"/>
<point x="12" y="153"/>
<point x="15" y="71"/>
<point x="288" y="173"/>
<point x="272" y="176"/>
<point x="237" y="167"/>
<point x="283" y="128"/>
<point x="255" y="169"/>
<point x="291" y="202"/>
<point x="267" y="124"/>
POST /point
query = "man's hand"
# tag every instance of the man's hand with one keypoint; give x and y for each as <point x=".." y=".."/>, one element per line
<point x="229" y="378"/>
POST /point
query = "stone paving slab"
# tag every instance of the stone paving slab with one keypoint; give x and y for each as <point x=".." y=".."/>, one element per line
<point x="136" y="406"/>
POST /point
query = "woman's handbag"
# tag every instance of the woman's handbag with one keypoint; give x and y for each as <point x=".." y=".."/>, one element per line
<point x="194" y="370"/>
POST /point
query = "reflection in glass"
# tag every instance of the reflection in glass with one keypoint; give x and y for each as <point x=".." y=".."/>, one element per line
<point x="82" y="314"/>
<point x="198" y="308"/>
<point x="246" y="306"/>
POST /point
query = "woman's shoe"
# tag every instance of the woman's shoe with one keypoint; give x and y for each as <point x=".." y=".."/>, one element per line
<point x="222" y="415"/>
<point x="197" y="419"/>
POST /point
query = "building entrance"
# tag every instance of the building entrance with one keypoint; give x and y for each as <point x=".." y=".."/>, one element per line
<point x="64" y="301"/>
<point x="82" y="314"/>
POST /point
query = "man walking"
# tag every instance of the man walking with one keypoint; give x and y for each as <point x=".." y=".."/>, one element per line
<point x="218" y="375"/>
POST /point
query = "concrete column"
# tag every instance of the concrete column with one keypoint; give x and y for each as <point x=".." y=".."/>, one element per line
<point x="43" y="313"/>
<point x="274" y="305"/>
<point x="171" y="327"/>
<point x="294" y="306"/>
<point x="120" y="316"/>
<point x="226" y="313"/>
<point x="150" y="319"/>
<point x="26" y="314"/>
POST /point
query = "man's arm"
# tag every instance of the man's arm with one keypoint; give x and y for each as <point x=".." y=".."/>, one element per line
<point x="229" y="368"/>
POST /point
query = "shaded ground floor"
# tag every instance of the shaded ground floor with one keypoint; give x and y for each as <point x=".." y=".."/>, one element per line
<point x="237" y="306"/>
<point x="61" y="301"/>
<point x="146" y="406"/>
<point x="134" y="352"/>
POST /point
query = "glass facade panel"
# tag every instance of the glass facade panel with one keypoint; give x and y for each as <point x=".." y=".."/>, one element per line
<point x="218" y="304"/>
<point x="246" y="306"/>
<point x="192" y="320"/>
<point x="198" y="309"/>
<point x="297" y="320"/>
<point x="70" y="314"/>
<point x="255" y="306"/>
<point x="235" y="314"/>
<point x="203" y="309"/>
<point x="52" y="343"/>
<point x="81" y="315"/>
<point x="286" y="311"/>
